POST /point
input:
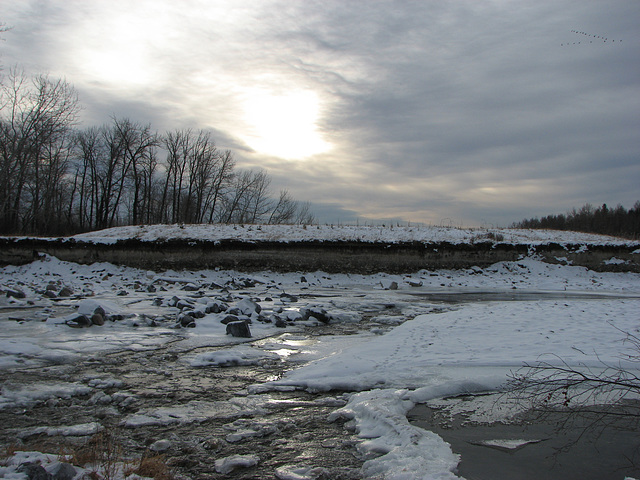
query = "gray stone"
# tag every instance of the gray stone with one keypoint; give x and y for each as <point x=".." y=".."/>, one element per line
<point x="286" y="297"/>
<point x="78" y="321"/>
<point x="248" y="306"/>
<point x="318" y="313"/>
<point x="34" y="471"/>
<point x="16" y="294"/>
<point x="65" y="292"/>
<point x="238" y="329"/>
<point x="228" y="319"/>
<point x="186" y="320"/>
<point x="97" y="319"/>
<point x="63" y="471"/>
<point x="160" y="446"/>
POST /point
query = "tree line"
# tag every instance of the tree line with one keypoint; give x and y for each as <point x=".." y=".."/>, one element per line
<point x="604" y="220"/>
<point x="57" y="179"/>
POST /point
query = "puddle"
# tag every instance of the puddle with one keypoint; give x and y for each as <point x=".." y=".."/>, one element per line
<point x="534" y="449"/>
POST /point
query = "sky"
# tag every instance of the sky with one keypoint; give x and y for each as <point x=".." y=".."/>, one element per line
<point x="455" y="113"/>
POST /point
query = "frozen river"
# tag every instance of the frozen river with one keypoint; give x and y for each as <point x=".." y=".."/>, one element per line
<point x="322" y="389"/>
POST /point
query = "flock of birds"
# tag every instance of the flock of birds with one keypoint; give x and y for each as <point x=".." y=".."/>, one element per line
<point x="596" y="37"/>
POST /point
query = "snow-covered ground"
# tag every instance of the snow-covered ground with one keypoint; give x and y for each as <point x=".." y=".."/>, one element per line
<point x="388" y="234"/>
<point x="521" y="312"/>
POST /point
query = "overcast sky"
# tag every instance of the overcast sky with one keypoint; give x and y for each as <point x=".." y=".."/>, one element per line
<point x="465" y="113"/>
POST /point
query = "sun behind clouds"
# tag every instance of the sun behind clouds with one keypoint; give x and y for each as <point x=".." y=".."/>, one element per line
<point x="284" y="125"/>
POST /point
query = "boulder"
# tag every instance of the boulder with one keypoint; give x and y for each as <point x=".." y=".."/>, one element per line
<point x="318" y="313"/>
<point x="238" y="329"/>
<point x="15" y="294"/>
<point x="248" y="306"/>
<point x="97" y="319"/>
<point x="33" y="471"/>
<point x="215" y="307"/>
<point x="78" y="321"/>
<point x="63" y="471"/>
<point x="228" y="319"/>
<point x="160" y="446"/>
<point x="65" y="292"/>
<point x="186" y="320"/>
<point x="389" y="284"/>
<point x="286" y="297"/>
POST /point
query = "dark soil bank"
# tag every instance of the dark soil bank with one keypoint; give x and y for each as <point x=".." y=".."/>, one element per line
<point x="332" y="257"/>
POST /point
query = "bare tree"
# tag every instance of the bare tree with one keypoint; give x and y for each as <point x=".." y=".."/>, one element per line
<point x="221" y="181"/>
<point x="138" y="143"/>
<point x="284" y="210"/>
<point x="607" y="396"/>
<point x="36" y="119"/>
<point x="248" y="198"/>
<point x="304" y="215"/>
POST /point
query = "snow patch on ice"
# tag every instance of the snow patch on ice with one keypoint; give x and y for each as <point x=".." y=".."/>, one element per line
<point x="395" y="449"/>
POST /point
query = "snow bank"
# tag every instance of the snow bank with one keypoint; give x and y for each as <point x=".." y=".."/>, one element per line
<point x="487" y="338"/>
<point x="387" y="234"/>
<point x="400" y="451"/>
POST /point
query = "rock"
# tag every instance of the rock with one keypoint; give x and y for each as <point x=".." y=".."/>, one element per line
<point x="63" y="471"/>
<point x="33" y="471"/>
<point x="286" y="297"/>
<point x="195" y="313"/>
<point x="122" y="293"/>
<point x="160" y="446"/>
<point x="215" y="307"/>
<point x="97" y="319"/>
<point x="303" y="279"/>
<point x="184" y="304"/>
<point x="191" y="287"/>
<point x="413" y="283"/>
<point x="228" y="319"/>
<point x="65" y="292"/>
<point x="78" y="321"/>
<point x="186" y="320"/>
<point x="50" y="294"/>
<point x="247" y="307"/>
<point x="280" y="323"/>
<point x="238" y="329"/>
<point x="293" y="316"/>
<point x="15" y="294"/>
<point x="229" y="464"/>
<point x="389" y="285"/>
<point x="318" y="313"/>
<point x="151" y="289"/>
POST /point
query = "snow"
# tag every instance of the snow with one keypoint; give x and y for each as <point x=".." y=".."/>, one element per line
<point x="521" y="312"/>
<point x="408" y="452"/>
<point x="507" y="444"/>
<point x="361" y="233"/>
<point x="442" y="347"/>
<point x="229" y="464"/>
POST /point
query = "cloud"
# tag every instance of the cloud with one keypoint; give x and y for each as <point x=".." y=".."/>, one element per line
<point x="465" y="110"/>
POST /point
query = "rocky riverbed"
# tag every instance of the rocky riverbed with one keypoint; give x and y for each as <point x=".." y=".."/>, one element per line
<point x="143" y="364"/>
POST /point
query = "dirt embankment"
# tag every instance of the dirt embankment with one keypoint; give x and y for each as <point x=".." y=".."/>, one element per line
<point x="329" y="256"/>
